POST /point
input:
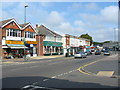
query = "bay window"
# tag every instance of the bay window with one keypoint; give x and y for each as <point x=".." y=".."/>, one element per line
<point x="30" y="35"/>
<point x="13" y="33"/>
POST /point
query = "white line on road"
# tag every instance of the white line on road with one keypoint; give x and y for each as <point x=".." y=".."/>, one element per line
<point x="45" y="80"/>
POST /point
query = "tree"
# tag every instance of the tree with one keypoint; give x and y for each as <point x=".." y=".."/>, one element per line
<point x="87" y="37"/>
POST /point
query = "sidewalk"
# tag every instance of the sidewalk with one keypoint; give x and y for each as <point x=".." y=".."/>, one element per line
<point x="30" y="59"/>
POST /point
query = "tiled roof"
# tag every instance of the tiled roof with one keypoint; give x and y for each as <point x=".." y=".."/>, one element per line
<point x="4" y="22"/>
<point x="76" y="37"/>
<point x="23" y="25"/>
<point x="44" y="31"/>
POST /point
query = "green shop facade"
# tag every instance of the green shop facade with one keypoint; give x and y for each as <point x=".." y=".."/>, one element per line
<point x="52" y="48"/>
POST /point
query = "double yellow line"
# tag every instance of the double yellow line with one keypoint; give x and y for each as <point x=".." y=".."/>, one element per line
<point x="81" y="69"/>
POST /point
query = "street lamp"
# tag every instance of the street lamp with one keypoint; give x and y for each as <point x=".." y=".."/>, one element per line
<point x="25" y="13"/>
<point x="24" y="32"/>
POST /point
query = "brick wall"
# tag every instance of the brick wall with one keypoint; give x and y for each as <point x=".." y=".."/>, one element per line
<point x="67" y="40"/>
<point x="40" y="45"/>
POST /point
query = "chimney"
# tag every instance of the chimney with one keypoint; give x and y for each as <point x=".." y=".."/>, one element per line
<point x="36" y="25"/>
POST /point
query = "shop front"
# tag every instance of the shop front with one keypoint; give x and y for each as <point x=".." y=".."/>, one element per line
<point x="53" y="48"/>
<point x="13" y="49"/>
<point x="31" y="48"/>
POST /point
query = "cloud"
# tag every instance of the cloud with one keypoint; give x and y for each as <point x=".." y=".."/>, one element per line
<point x="100" y="23"/>
<point x="79" y="23"/>
<point x="104" y="34"/>
<point x="84" y="6"/>
<point x="54" y="18"/>
<point x="110" y="14"/>
<point x="91" y="6"/>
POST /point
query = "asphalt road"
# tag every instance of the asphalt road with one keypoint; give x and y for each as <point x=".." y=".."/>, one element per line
<point x="55" y="73"/>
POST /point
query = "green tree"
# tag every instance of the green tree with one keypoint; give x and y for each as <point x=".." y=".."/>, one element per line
<point x="87" y="36"/>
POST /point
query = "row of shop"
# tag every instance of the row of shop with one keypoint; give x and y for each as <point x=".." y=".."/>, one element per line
<point x="16" y="49"/>
<point x="23" y="39"/>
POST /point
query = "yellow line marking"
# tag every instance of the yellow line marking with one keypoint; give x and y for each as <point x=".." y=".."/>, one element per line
<point x="80" y="69"/>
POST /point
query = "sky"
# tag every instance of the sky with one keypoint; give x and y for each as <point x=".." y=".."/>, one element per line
<point x="98" y="19"/>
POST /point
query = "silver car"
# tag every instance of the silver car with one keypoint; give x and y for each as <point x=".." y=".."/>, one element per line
<point x="80" y="55"/>
<point x="106" y="53"/>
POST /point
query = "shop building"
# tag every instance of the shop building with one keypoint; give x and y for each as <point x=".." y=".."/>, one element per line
<point x="72" y="44"/>
<point x="17" y="37"/>
<point x="12" y="44"/>
<point x="49" y="42"/>
<point x="29" y="38"/>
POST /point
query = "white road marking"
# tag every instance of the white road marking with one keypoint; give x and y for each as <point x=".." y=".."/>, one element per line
<point x="45" y="80"/>
<point x="54" y="77"/>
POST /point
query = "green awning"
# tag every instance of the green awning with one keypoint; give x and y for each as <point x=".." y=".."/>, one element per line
<point x="50" y="43"/>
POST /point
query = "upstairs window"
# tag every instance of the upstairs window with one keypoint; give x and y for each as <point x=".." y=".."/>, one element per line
<point x="11" y="32"/>
<point x="7" y="31"/>
<point x="29" y="27"/>
<point x="30" y="35"/>
<point x="25" y="34"/>
<point x="12" y="23"/>
<point x="14" y="33"/>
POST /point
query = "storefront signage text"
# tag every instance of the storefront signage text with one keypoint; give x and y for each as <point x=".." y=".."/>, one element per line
<point x="31" y="42"/>
<point x="14" y="42"/>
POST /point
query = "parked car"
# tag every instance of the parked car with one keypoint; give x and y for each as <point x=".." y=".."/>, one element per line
<point x="92" y="51"/>
<point x="106" y="53"/>
<point x="98" y="52"/>
<point x="88" y="53"/>
<point x="80" y="55"/>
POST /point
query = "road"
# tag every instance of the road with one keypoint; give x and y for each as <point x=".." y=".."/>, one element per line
<point x="57" y="73"/>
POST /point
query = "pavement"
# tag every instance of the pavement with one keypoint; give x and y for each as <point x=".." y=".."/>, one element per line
<point x="104" y="67"/>
<point x="28" y="60"/>
<point x="56" y="73"/>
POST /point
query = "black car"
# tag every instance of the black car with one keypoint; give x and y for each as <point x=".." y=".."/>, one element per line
<point x="98" y="53"/>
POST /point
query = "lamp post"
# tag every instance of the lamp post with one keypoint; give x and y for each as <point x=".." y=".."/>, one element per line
<point x="24" y="32"/>
<point x="25" y="13"/>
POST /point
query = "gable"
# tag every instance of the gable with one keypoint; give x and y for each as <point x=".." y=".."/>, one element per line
<point x="29" y="29"/>
<point x="12" y="25"/>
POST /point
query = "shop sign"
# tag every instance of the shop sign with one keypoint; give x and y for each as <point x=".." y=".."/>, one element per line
<point x="14" y="42"/>
<point x="31" y="42"/>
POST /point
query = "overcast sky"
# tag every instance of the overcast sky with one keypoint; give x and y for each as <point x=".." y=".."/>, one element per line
<point x="98" y="19"/>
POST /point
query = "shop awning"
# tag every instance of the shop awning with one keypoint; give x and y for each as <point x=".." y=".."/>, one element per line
<point x="4" y="46"/>
<point x="16" y="46"/>
<point x="49" y="43"/>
